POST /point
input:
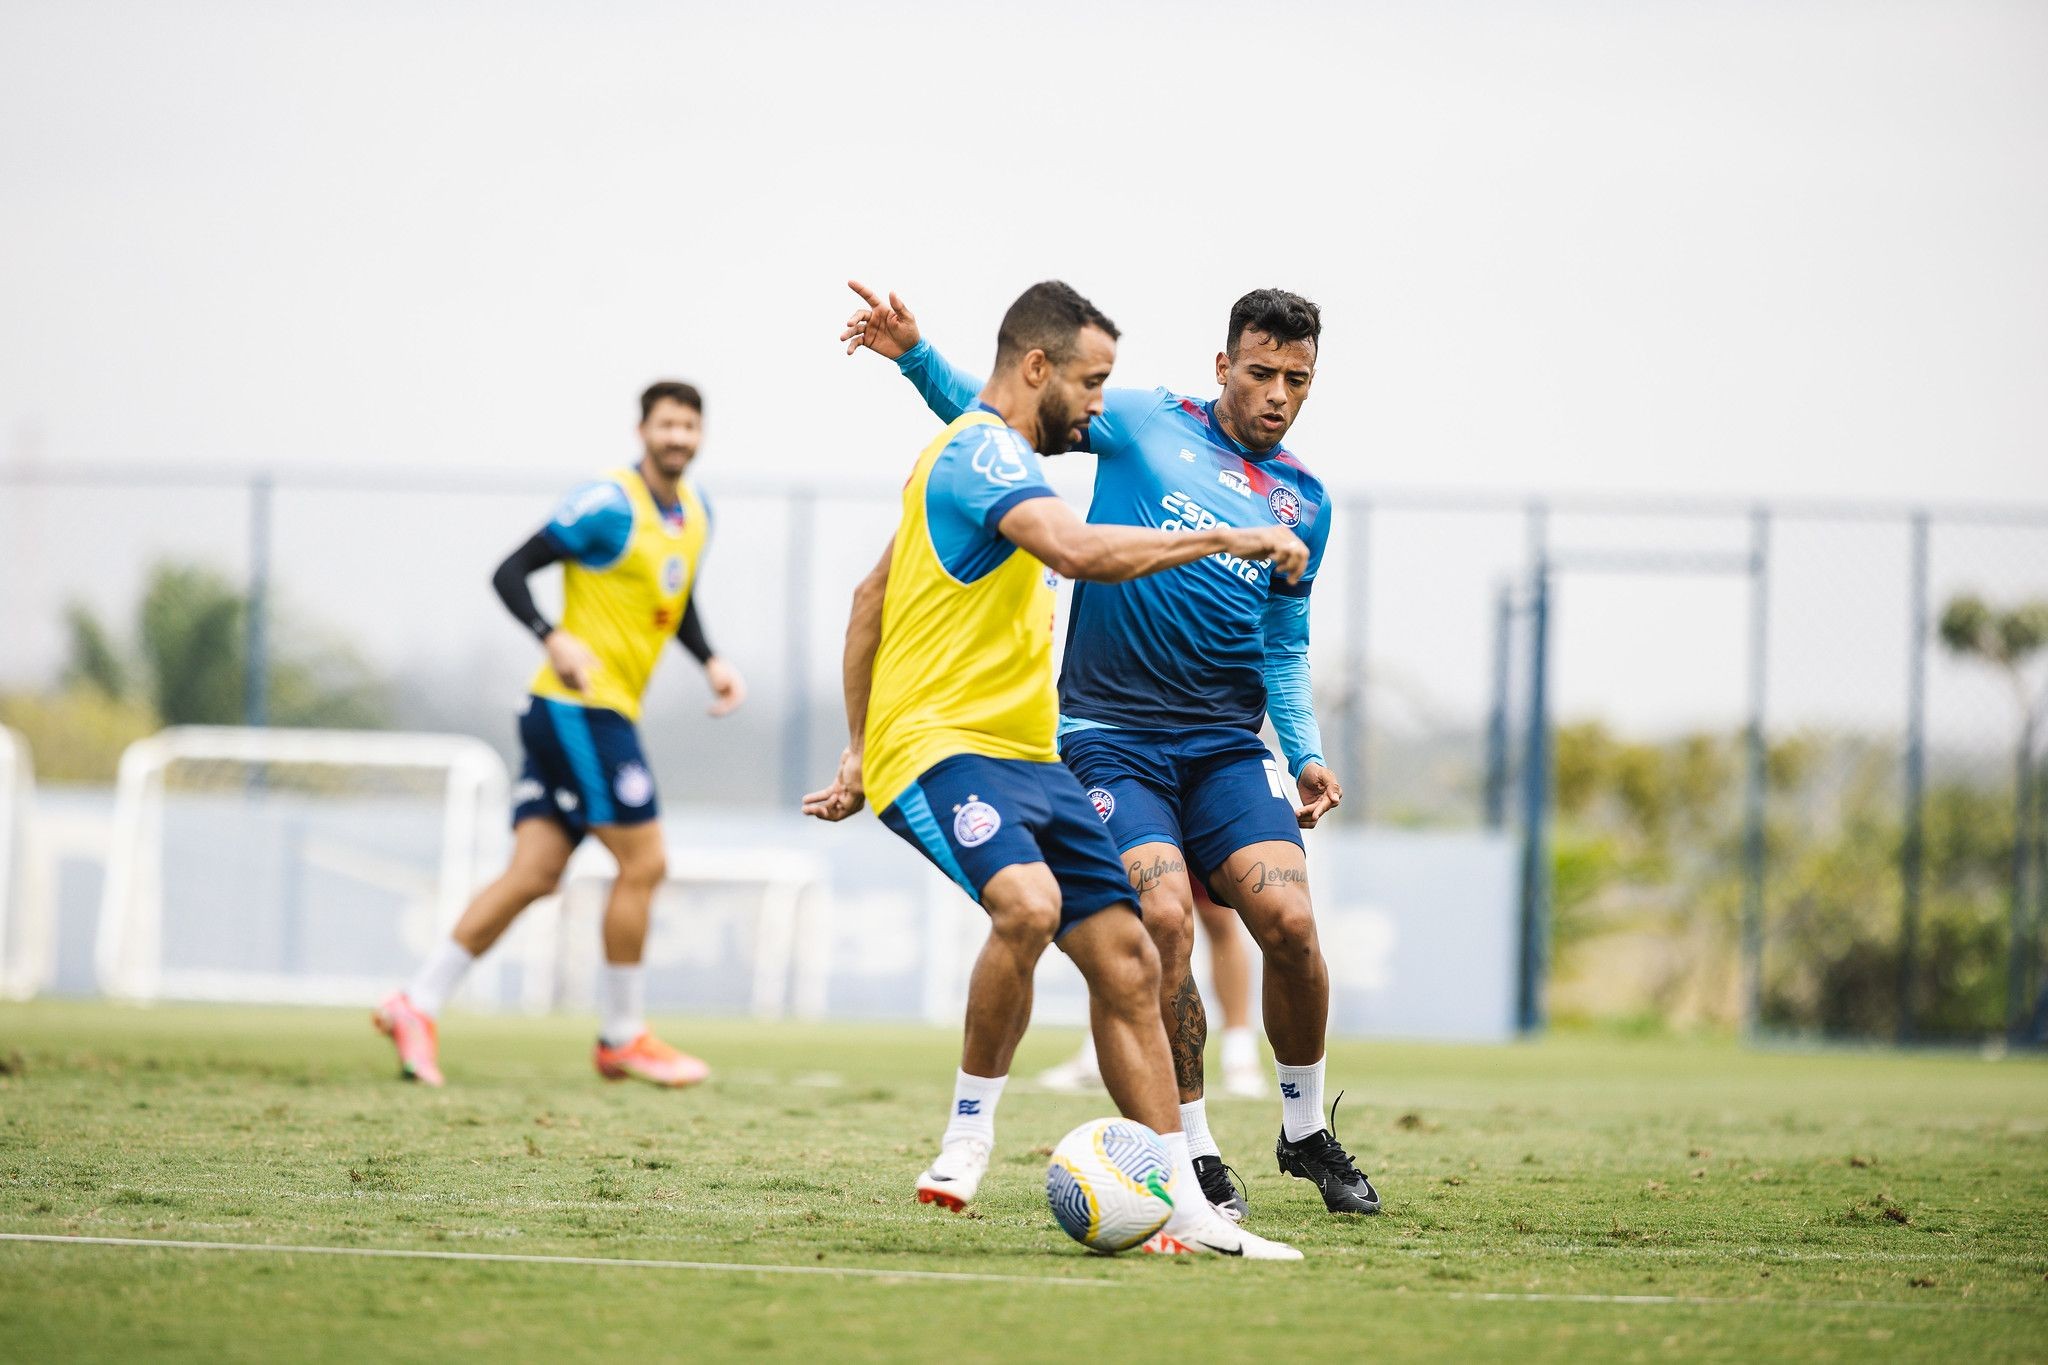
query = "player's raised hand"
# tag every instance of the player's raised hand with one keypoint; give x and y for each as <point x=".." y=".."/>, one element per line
<point x="727" y="686"/>
<point x="572" y="660"/>
<point x="1277" y="543"/>
<point x="846" y="795"/>
<point x="1321" y="793"/>
<point x="887" y="329"/>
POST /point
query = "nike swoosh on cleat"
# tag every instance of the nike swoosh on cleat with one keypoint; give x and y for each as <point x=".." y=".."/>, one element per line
<point x="1220" y="1251"/>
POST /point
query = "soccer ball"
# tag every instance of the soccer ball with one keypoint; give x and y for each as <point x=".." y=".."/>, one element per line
<point x="1107" y="1184"/>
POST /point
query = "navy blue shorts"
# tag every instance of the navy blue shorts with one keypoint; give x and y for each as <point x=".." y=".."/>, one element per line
<point x="583" y="767"/>
<point x="975" y="816"/>
<point x="1209" y="791"/>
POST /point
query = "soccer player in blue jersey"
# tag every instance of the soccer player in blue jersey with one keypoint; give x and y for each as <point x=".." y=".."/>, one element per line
<point x="1168" y="679"/>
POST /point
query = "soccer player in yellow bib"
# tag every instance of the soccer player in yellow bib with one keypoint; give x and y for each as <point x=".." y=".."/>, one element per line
<point x="630" y="544"/>
<point x="951" y="711"/>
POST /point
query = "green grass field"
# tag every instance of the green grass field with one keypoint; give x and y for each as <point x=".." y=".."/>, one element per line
<point x="1578" y="1199"/>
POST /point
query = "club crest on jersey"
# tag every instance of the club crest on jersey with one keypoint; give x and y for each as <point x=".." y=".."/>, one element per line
<point x="672" y="575"/>
<point x="1235" y="481"/>
<point x="633" y="785"/>
<point x="975" y="823"/>
<point x="1286" y="505"/>
<point x="1052" y="580"/>
<point x="1104" y="801"/>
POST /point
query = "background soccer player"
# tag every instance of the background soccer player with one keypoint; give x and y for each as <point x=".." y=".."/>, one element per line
<point x="951" y="713"/>
<point x="1168" y="680"/>
<point x="630" y="544"/>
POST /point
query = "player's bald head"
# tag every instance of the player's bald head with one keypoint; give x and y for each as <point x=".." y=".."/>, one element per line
<point x="1048" y="317"/>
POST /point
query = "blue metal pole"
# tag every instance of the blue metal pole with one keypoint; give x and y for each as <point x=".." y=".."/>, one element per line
<point x="1357" y="717"/>
<point x="1913" y="851"/>
<point x="1529" y="1011"/>
<point x="796" y="652"/>
<point x="1496" y="790"/>
<point x="256" y="641"/>
<point x="1754" y="790"/>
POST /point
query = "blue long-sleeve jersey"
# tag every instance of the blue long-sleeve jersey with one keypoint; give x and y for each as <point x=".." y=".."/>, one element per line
<point x="1216" y="642"/>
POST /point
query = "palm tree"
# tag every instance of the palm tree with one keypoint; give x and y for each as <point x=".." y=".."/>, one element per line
<point x="2007" y="639"/>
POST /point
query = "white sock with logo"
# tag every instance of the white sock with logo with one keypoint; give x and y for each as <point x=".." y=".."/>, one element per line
<point x="1301" y="1098"/>
<point x="438" y="977"/>
<point x="625" y="1007"/>
<point x="974" y="1107"/>
<point x="1188" y="1203"/>
<point x="1194" y="1123"/>
<point x="1240" y="1049"/>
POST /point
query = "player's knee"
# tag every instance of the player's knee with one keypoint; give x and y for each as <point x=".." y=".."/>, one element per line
<point x="1132" y="973"/>
<point x="644" y="871"/>
<point x="530" y="883"/>
<point x="1170" y="922"/>
<point x="1288" y="931"/>
<point x="1028" y="920"/>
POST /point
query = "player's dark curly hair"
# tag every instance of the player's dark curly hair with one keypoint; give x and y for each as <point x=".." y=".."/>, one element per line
<point x="1280" y="315"/>
<point x="676" y="391"/>
<point x="1048" y="317"/>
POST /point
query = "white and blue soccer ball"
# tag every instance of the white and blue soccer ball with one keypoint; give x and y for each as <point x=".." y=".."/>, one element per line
<point x="1107" y="1184"/>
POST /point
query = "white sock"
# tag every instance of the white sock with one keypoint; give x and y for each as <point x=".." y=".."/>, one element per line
<point x="438" y="977"/>
<point x="974" y="1107"/>
<point x="1194" y="1124"/>
<point x="625" y="1009"/>
<point x="1188" y="1202"/>
<point x="1240" y="1049"/>
<point x="1301" y="1098"/>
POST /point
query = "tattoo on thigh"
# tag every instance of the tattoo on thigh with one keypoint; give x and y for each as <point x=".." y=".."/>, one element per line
<point x="1261" y="877"/>
<point x="1190" y="1034"/>
<point x="1144" y="877"/>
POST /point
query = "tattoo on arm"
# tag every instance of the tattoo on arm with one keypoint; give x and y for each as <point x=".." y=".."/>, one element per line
<point x="1190" y="1035"/>
<point x="1260" y="877"/>
<point x="1146" y="876"/>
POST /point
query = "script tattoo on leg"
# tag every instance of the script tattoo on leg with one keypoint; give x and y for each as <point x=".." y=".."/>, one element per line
<point x="1144" y="877"/>
<point x="1261" y="877"/>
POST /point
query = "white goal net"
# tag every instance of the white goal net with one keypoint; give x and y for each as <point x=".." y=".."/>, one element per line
<point x="293" y="866"/>
<point x="27" y="947"/>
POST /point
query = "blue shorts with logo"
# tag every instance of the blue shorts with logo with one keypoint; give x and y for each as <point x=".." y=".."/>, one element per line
<point x="1209" y="791"/>
<point x="974" y="816"/>
<point x="583" y="767"/>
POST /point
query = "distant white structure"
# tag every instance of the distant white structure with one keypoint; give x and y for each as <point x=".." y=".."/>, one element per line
<point x="28" y="956"/>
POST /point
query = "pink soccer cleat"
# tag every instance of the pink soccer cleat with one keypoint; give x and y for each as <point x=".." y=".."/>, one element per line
<point x="649" y="1059"/>
<point x="413" y="1034"/>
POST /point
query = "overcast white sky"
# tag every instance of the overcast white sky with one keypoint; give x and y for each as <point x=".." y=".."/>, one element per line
<point x="1731" y="248"/>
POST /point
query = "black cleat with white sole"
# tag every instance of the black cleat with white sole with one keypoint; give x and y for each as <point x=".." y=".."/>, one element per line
<point x="1217" y="1188"/>
<point x="1321" y="1158"/>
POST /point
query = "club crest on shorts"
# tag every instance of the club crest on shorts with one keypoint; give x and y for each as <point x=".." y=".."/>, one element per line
<point x="1104" y="802"/>
<point x="633" y="785"/>
<point x="975" y="823"/>
<point x="1286" y="505"/>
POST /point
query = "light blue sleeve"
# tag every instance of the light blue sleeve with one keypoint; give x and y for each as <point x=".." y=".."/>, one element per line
<point x="949" y="392"/>
<point x="593" y="524"/>
<point x="945" y="390"/>
<point x="1290" y="701"/>
<point x="985" y="471"/>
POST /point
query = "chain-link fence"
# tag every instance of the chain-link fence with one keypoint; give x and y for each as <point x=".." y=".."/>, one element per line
<point x="1754" y="781"/>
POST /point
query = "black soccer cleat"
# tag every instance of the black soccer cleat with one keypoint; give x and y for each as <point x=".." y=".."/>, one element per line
<point x="1218" y="1188"/>
<point x="1319" y="1157"/>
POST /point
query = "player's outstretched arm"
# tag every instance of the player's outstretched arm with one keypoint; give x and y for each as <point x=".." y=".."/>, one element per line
<point x="572" y="660"/>
<point x="847" y="793"/>
<point x="1290" y="702"/>
<point x="1073" y="548"/>
<point x="890" y="331"/>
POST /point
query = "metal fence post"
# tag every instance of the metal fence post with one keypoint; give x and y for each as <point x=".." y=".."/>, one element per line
<point x="1357" y="715"/>
<point x="1755" y="788"/>
<point x="1912" y="852"/>
<point x="1536" y="790"/>
<point x="256" y="626"/>
<point x="1496" y="790"/>
<point x="2020" y="953"/>
<point x="796" y="652"/>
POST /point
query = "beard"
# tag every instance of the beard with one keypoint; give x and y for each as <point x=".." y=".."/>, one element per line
<point x="1056" y="423"/>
